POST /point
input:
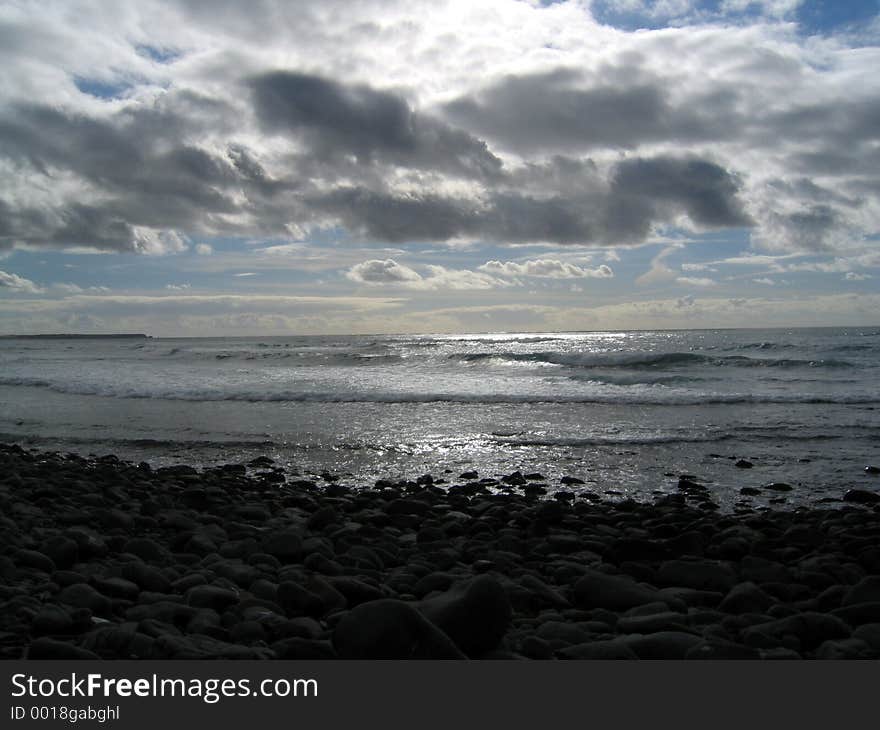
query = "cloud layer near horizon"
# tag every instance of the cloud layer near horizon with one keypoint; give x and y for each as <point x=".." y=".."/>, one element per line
<point x="141" y="128"/>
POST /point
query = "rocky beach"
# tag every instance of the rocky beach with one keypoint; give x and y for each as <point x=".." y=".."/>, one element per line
<point x="108" y="559"/>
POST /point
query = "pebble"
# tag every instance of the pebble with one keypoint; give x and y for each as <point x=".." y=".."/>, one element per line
<point x="115" y="561"/>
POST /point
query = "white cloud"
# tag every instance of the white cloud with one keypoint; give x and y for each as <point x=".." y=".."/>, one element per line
<point x="177" y="287"/>
<point x="766" y="280"/>
<point x="546" y="268"/>
<point x="204" y="249"/>
<point x="388" y="272"/>
<point x="696" y="281"/>
<point x="854" y="276"/>
<point x="16" y="283"/>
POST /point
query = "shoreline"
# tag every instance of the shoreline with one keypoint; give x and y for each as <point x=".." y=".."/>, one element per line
<point x="106" y="559"/>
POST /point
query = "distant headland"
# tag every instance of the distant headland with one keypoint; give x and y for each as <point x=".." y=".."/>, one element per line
<point x="120" y="336"/>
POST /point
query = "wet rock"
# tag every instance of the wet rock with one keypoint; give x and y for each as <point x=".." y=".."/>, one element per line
<point x="857" y="614"/>
<point x="117" y="588"/>
<point x="870" y="634"/>
<point x="391" y="629"/>
<point x="305" y="649"/>
<point x="52" y="619"/>
<point x="286" y="545"/>
<point x="778" y="487"/>
<point x="146" y="549"/>
<point x="653" y="623"/>
<point x="214" y="597"/>
<point x="743" y="464"/>
<point x="720" y="649"/>
<point x="146" y="576"/>
<point x="63" y="551"/>
<point x="296" y="600"/>
<point x="662" y="644"/>
<point x="700" y="574"/>
<point x="83" y="595"/>
<point x="475" y="614"/>
<point x="45" y="648"/>
<point x="861" y="496"/>
<point x="34" y="559"/>
<point x="810" y="628"/>
<point x="618" y="593"/>
<point x="851" y="648"/>
<point x="611" y="649"/>
<point x="746" y="598"/>
<point x="865" y="591"/>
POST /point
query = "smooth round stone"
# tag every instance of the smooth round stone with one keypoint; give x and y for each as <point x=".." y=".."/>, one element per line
<point x="390" y="629"/>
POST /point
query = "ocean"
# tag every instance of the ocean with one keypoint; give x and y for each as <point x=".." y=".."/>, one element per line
<point x="625" y="412"/>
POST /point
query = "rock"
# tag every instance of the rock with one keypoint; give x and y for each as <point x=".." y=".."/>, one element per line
<point x="749" y="491"/>
<point x="45" y="648"/>
<point x="562" y="631"/>
<point x="111" y="642"/>
<point x="844" y="649"/>
<point x="778" y="487"/>
<point x="146" y="549"/>
<point x="866" y="590"/>
<point x="117" y="588"/>
<point x="615" y="592"/>
<point x="743" y="464"/>
<point x="355" y="591"/>
<point x="746" y="598"/>
<point x="571" y="480"/>
<point x="707" y="575"/>
<point x="214" y="597"/>
<point x="297" y="600"/>
<point x="857" y="614"/>
<point x="542" y="593"/>
<point x="83" y="595"/>
<point x="475" y="614"/>
<point x="307" y="649"/>
<point x="34" y="559"/>
<point x="146" y="576"/>
<point x="861" y="496"/>
<point x="63" y="551"/>
<point x="613" y="649"/>
<point x="390" y="629"/>
<point x="810" y="628"/>
<point x="286" y="545"/>
<point x="870" y="634"/>
<point x="51" y="619"/>
<point x="653" y="623"/>
<point x="720" y="649"/>
<point x="872" y="470"/>
<point x="662" y="644"/>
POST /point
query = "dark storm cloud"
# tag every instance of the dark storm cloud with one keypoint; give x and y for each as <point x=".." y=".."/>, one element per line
<point x="706" y="192"/>
<point x="643" y="192"/>
<point x="374" y="126"/>
<point x="552" y="111"/>
<point x="174" y="168"/>
<point x="136" y="163"/>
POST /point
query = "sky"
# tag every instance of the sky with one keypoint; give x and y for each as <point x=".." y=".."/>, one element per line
<point x="188" y="167"/>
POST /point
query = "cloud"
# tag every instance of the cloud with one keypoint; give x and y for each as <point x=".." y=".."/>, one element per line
<point x="374" y="126"/>
<point x="765" y="280"/>
<point x="204" y="249"/>
<point x="696" y="281"/>
<point x="546" y="268"/>
<point x="18" y="284"/>
<point x="382" y="272"/>
<point x="438" y="278"/>
<point x="564" y="110"/>
<point x="499" y="122"/>
<point x="854" y="276"/>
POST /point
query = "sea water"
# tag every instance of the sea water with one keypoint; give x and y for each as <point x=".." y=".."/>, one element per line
<point x="626" y="412"/>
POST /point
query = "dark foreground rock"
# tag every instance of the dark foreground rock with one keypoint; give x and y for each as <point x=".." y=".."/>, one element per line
<point x="104" y="559"/>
